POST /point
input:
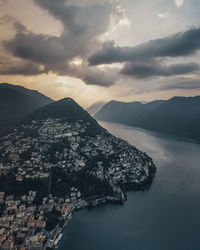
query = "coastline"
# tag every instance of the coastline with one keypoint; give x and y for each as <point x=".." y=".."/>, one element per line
<point x="154" y="132"/>
<point x="92" y="203"/>
<point x="110" y="169"/>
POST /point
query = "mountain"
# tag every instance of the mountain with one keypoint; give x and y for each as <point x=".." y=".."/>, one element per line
<point x="16" y="102"/>
<point x="68" y="110"/>
<point x="177" y="117"/>
<point x="57" y="160"/>
<point x="125" y="112"/>
<point x="61" y="141"/>
<point x="64" y="108"/>
<point x="30" y="92"/>
<point x="94" y="108"/>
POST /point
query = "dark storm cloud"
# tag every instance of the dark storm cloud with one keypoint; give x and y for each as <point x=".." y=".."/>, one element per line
<point x="38" y="48"/>
<point x="144" y="70"/>
<point x="82" y="25"/>
<point x="99" y="78"/>
<point x="93" y="75"/>
<point x="10" y="67"/>
<point x="83" y="22"/>
<point x="180" y="44"/>
<point x="79" y="19"/>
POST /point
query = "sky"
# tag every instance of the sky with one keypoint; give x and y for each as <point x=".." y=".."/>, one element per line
<point x="100" y="50"/>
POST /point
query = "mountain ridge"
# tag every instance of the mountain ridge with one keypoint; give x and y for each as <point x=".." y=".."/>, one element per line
<point x="65" y="108"/>
<point x="127" y="112"/>
<point x="95" y="107"/>
<point x="63" y="136"/>
<point x="31" y="92"/>
<point x="176" y="117"/>
<point x="16" y="102"/>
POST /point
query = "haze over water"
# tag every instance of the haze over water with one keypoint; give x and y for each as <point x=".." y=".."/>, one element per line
<point x="165" y="217"/>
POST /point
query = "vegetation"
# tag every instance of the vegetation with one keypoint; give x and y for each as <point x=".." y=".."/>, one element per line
<point x="87" y="183"/>
<point x="53" y="218"/>
<point x="10" y="185"/>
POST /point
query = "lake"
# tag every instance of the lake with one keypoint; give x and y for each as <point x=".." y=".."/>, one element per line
<point x="164" y="217"/>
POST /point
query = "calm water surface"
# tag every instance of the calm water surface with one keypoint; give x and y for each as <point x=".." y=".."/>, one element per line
<point x="165" y="217"/>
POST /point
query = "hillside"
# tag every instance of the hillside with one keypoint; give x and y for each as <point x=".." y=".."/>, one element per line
<point x="62" y="140"/>
<point x="125" y="112"/>
<point x="94" y="108"/>
<point x="67" y="109"/>
<point x="30" y="92"/>
<point x="16" y="102"/>
<point x="177" y="117"/>
<point x="59" y="159"/>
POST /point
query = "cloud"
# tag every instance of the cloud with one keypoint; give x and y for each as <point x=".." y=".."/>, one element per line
<point x="180" y="44"/>
<point x="179" y="3"/>
<point x="93" y="75"/>
<point x="19" y="67"/>
<point x="100" y="77"/>
<point x="80" y="21"/>
<point x="172" y="83"/>
<point x="163" y="15"/>
<point x="148" y="60"/>
<point x="83" y="23"/>
<point x="55" y="55"/>
<point x="182" y="84"/>
<point x="37" y="48"/>
<point x="144" y="70"/>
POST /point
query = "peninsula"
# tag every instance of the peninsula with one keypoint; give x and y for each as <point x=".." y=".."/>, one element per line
<point x="56" y="160"/>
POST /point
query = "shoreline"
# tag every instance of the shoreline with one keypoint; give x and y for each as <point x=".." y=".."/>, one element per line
<point x="155" y="133"/>
<point x="90" y="204"/>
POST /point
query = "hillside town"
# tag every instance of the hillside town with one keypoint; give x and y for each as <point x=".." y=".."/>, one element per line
<point x="32" y="155"/>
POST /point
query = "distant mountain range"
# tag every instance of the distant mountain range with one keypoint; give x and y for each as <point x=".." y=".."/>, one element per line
<point x="16" y="102"/>
<point x="177" y="117"/>
<point x="94" y="108"/>
<point x="124" y="112"/>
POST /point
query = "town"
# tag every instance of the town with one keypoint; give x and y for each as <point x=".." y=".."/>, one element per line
<point x="38" y="155"/>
